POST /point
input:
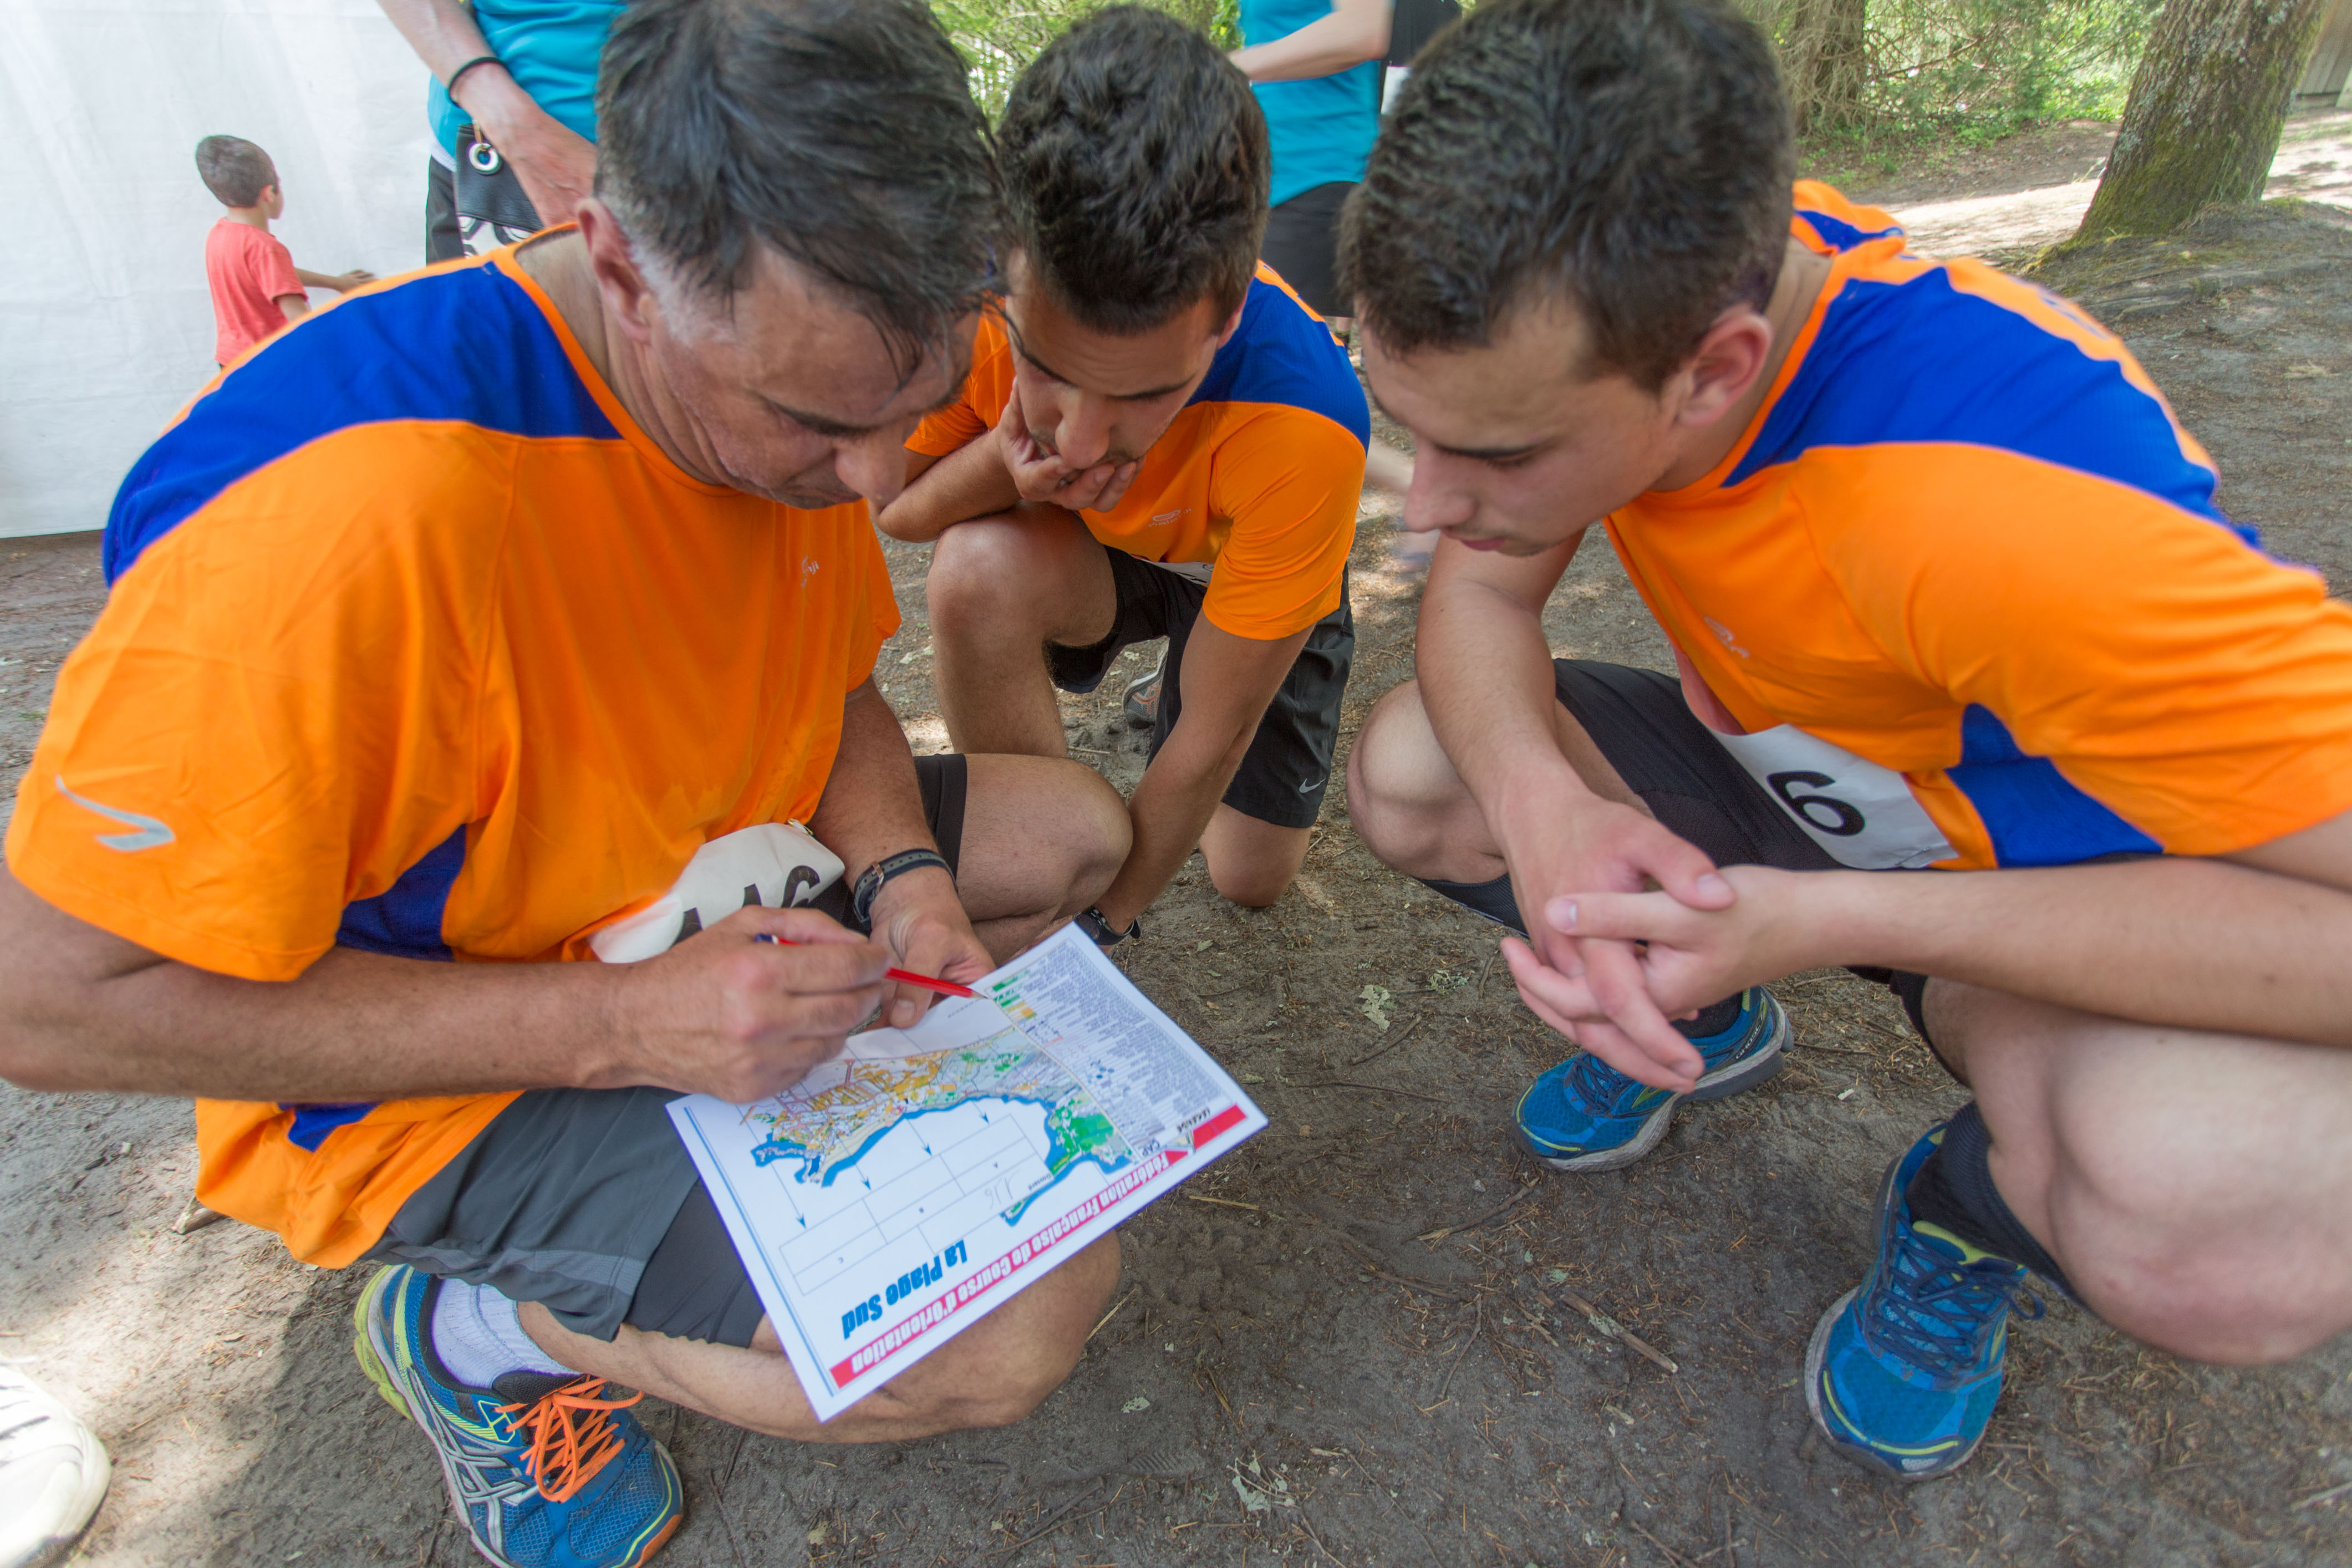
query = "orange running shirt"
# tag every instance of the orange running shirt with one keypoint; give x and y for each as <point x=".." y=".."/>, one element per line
<point x="1260" y="472"/>
<point x="1964" y="584"/>
<point x="418" y="644"/>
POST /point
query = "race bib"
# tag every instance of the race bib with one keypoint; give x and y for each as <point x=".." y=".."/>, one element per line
<point x="1864" y="815"/>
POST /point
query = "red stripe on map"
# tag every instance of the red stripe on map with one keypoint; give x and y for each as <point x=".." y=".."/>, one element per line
<point x="1230" y="1117"/>
<point x="1023" y="1253"/>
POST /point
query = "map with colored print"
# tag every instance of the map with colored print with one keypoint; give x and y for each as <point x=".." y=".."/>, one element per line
<point x="898" y="1194"/>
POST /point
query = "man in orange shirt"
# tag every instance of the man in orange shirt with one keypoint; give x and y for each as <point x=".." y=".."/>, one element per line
<point x="470" y="654"/>
<point x="1947" y="588"/>
<point x="1157" y="439"/>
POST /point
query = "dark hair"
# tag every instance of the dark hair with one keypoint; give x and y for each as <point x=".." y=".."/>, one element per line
<point x="840" y="133"/>
<point x="1135" y="171"/>
<point x="1632" y="157"/>
<point x="234" y="170"/>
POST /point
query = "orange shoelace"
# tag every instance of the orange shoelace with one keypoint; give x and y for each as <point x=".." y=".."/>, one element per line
<point x="571" y="1435"/>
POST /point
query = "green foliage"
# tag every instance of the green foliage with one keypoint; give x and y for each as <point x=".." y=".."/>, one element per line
<point x="1964" y="70"/>
<point x="999" y="37"/>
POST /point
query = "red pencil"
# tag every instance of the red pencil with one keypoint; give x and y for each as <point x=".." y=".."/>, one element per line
<point x="903" y="976"/>
<point x="930" y="983"/>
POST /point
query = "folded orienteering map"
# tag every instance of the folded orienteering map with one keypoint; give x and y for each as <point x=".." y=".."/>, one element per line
<point x="896" y="1195"/>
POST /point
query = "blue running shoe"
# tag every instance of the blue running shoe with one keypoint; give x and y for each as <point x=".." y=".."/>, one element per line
<point x="1585" y="1115"/>
<point x="1903" y="1372"/>
<point x="547" y="1470"/>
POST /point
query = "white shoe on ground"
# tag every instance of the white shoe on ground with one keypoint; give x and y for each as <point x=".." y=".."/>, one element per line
<point x="53" y="1474"/>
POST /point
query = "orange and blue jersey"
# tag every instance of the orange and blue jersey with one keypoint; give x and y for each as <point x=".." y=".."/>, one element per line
<point x="417" y="645"/>
<point x="1965" y="543"/>
<point x="1259" y="473"/>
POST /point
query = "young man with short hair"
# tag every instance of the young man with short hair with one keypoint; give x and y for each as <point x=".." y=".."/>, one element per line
<point x="1948" y="588"/>
<point x="474" y="654"/>
<point x="1157" y="439"/>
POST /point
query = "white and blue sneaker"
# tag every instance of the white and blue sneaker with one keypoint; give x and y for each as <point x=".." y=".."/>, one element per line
<point x="1904" y="1371"/>
<point x="548" y="1470"/>
<point x="1585" y="1115"/>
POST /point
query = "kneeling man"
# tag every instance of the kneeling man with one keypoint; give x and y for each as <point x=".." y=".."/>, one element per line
<point x="1157" y="439"/>
<point x="1948" y="588"/>
<point x="451" y="625"/>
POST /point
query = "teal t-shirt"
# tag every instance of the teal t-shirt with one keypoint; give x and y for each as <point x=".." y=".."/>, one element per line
<point x="1319" y="130"/>
<point x="549" y="47"/>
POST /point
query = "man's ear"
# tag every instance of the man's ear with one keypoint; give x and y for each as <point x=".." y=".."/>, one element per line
<point x="627" y="295"/>
<point x="1233" y="323"/>
<point x="1730" y="357"/>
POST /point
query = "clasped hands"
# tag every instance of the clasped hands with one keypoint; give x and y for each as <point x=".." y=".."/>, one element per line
<point x="1630" y="928"/>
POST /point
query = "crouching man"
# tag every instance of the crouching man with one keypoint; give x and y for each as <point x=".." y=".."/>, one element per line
<point x="1157" y="439"/>
<point x="451" y="625"/>
<point x="1948" y="588"/>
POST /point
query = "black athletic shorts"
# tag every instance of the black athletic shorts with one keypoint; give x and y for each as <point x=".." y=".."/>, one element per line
<point x="1289" y="765"/>
<point x="1640" y="723"/>
<point x="1302" y="243"/>
<point x="585" y="1200"/>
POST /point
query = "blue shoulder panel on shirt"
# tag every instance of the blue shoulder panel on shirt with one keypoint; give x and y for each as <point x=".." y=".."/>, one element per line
<point x="1841" y="234"/>
<point x="466" y="345"/>
<point x="401" y="921"/>
<point x="313" y="1122"/>
<point x="1921" y="362"/>
<point x="2034" y="816"/>
<point x="405" y="919"/>
<point x="1282" y="352"/>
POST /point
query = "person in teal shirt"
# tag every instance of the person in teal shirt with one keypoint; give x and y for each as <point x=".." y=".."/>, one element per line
<point x="1316" y="65"/>
<point x="525" y="86"/>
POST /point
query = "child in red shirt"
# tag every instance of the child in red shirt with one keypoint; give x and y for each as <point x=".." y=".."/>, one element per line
<point x="256" y="289"/>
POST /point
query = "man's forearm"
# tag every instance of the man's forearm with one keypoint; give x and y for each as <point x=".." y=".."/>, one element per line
<point x="1355" y="31"/>
<point x="872" y="805"/>
<point x="1226" y="680"/>
<point x="2194" y="944"/>
<point x="355" y="1026"/>
<point x="1169" y="809"/>
<point x="969" y="482"/>
<point x="1488" y="686"/>
<point x="445" y="36"/>
<point x="442" y="31"/>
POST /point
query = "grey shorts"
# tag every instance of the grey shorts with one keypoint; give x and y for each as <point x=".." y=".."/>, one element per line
<point x="585" y="1201"/>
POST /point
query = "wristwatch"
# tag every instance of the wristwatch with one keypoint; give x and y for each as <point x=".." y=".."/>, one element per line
<point x="871" y="881"/>
<point x="1097" y="925"/>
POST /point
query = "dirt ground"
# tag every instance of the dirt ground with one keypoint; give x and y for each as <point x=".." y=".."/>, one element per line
<point x="1355" y="1342"/>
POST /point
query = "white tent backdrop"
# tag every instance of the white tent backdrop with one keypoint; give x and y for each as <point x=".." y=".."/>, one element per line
<point x="106" y="327"/>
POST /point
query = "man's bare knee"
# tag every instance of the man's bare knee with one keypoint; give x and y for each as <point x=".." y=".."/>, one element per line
<point x="1405" y="798"/>
<point x="1023" y="1373"/>
<point x="1098" y="835"/>
<point x="977" y="569"/>
<point x="2231" y="1256"/>
<point x="1250" y="887"/>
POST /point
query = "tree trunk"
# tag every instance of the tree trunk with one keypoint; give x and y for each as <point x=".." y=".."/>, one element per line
<point x="2206" y="109"/>
<point x="1826" y="51"/>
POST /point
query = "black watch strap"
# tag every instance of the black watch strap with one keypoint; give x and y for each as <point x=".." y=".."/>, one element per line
<point x="871" y="881"/>
<point x="1096" y="924"/>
